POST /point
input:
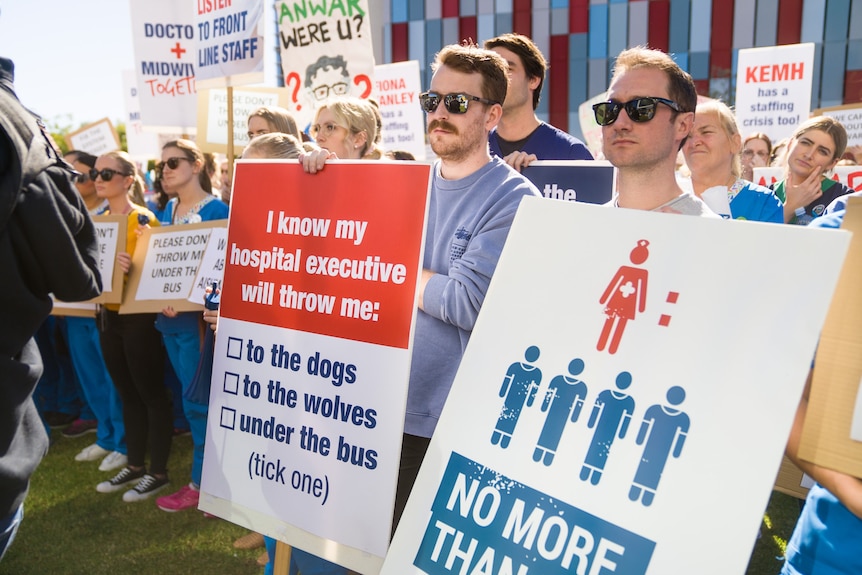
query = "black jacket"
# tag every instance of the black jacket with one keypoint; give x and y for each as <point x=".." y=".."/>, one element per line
<point x="47" y="245"/>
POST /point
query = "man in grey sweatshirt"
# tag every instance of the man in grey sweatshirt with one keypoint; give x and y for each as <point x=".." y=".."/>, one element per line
<point x="474" y="198"/>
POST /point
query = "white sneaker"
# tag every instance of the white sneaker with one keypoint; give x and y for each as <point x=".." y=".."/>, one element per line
<point x="113" y="460"/>
<point x="92" y="453"/>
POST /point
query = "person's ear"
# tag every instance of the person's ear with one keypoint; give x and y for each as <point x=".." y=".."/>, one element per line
<point x="736" y="143"/>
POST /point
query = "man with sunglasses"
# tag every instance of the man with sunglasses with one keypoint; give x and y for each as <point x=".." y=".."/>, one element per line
<point x="645" y="121"/>
<point x="521" y="138"/>
<point x="474" y="197"/>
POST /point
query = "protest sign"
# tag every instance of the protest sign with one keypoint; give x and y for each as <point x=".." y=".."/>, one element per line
<point x="850" y="176"/>
<point x="833" y="404"/>
<point x="312" y="353"/>
<point x="111" y="240"/>
<point x="230" y="42"/>
<point x="212" y="132"/>
<point x="608" y="393"/>
<point x="593" y="182"/>
<point x="97" y="138"/>
<point x="396" y="90"/>
<point x="142" y="144"/>
<point x="164" y="41"/>
<point x="326" y="51"/>
<point x="850" y="117"/>
<point x="773" y="89"/>
<point x="211" y="269"/>
<point x="165" y="266"/>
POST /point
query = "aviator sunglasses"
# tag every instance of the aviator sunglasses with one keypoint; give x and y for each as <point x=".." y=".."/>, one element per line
<point x="455" y="103"/>
<point x="106" y="173"/>
<point x="172" y="163"/>
<point x="639" y="109"/>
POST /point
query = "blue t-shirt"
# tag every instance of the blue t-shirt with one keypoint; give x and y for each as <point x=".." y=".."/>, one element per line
<point x="756" y="203"/>
<point x="547" y="143"/>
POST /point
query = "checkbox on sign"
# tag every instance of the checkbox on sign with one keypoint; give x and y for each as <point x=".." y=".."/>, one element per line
<point x="228" y="418"/>
<point x="231" y="383"/>
<point x="234" y="348"/>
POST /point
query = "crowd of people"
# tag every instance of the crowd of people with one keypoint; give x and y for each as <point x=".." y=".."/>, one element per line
<point x="126" y="378"/>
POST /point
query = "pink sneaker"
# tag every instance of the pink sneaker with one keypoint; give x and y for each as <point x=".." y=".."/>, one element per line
<point x="185" y="498"/>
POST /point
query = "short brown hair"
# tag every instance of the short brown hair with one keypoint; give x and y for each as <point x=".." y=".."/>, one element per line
<point x="471" y="59"/>
<point x="531" y="57"/>
<point x="278" y="119"/>
<point x="680" y="86"/>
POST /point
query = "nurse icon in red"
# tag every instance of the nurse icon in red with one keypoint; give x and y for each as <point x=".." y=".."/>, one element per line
<point x="624" y="297"/>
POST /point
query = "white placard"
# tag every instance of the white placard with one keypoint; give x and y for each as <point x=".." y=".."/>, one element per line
<point x="96" y="139"/>
<point x="107" y="233"/>
<point x="163" y="34"/>
<point x="244" y="103"/>
<point x="607" y="390"/>
<point x="211" y="269"/>
<point x="230" y="42"/>
<point x="773" y="89"/>
<point x="396" y="89"/>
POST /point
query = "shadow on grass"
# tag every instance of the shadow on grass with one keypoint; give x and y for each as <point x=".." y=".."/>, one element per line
<point x="71" y="529"/>
<point x="776" y="528"/>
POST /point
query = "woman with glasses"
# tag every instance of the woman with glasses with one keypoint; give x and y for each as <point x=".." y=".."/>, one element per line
<point x="756" y="153"/>
<point x="346" y="127"/>
<point x="132" y="348"/>
<point x="712" y="155"/>
<point x="813" y="150"/>
<point x="183" y="173"/>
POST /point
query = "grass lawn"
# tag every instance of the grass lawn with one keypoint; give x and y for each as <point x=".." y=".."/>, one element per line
<point x="71" y="529"/>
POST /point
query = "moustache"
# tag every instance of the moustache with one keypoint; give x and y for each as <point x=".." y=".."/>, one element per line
<point x="443" y="124"/>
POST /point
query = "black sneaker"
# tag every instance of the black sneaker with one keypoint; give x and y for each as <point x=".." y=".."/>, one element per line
<point x="118" y="481"/>
<point x="146" y="487"/>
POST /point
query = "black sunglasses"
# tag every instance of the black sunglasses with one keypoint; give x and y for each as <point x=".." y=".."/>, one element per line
<point x="639" y="109"/>
<point x="172" y="163"/>
<point x="80" y="178"/>
<point x="106" y="173"/>
<point x="455" y="103"/>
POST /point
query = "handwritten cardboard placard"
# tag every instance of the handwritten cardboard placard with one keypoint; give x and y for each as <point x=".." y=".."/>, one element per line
<point x="97" y="138"/>
<point x="164" y="267"/>
<point x="826" y="437"/>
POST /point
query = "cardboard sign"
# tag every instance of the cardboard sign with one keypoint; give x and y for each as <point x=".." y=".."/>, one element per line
<point x="826" y="437"/>
<point x="850" y="116"/>
<point x="230" y="43"/>
<point x="111" y="240"/>
<point x="593" y="182"/>
<point x="606" y="389"/>
<point x="163" y="35"/>
<point x="850" y="176"/>
<point x="773" y="89"/>
<point x="792" y="481"/>
<point x="589" y="128"/>
<point x="165" y="266"/>
<point x="211" y="269"/>
<point x="396" y="90"/>
<point x="312" y="353"/>
<point x="97" y="138"/>
<point x="212" y="115"/>
<point x="326" y="51"/>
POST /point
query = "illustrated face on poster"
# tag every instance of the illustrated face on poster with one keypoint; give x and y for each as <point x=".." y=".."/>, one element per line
<point x="326" y="51"/>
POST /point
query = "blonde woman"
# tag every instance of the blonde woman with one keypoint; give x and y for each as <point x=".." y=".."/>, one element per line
<point x="712" y="156"/>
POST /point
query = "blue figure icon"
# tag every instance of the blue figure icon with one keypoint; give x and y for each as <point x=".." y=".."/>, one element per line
<point x="611" y="415"/>
<point x="520" y="384"/>
<point x="664" y="429"/>
<point x="563" y="402"/>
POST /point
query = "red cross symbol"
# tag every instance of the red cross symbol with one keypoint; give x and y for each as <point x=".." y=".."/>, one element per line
<point x="178" y="50"/>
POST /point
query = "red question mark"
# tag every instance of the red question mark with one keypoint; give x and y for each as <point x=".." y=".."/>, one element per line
<point x="295" y="76"/>
<point x="363" y="79"/>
